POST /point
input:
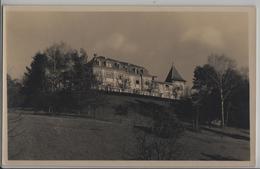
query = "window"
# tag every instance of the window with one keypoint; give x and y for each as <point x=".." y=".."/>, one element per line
<point x="141" y="71"/>
<point x="104" y="63"/>
<point x="125" y="68"/>
<point x="116" y="65"/>
<point x="137" y="82"/>
<point x="109" y="65"/>
<point x="97" y="62"/>
<point x="109" y="75"/>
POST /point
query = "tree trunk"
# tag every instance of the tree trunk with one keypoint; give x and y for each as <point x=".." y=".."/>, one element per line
<point x="226" y="119"/>
<point x="222" y="108"/>
<point x="197" y="121"/>
<point x="49" y="109"/>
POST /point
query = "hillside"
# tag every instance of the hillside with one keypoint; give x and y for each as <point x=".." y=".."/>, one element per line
<point x="114" y="132"/>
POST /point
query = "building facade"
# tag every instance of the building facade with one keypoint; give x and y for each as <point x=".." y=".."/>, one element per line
<point x="118" y="76"/>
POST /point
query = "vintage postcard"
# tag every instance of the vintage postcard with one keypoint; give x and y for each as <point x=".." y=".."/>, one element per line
<point x="128" y="86"/>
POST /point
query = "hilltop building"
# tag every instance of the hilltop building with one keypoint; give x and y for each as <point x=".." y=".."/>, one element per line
<point x="118" y="76"/>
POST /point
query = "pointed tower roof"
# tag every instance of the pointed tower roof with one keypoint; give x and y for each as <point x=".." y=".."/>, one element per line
<point x="174" y="75"/>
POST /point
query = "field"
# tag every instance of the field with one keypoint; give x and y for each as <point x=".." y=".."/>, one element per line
<point x="111" y="135"/>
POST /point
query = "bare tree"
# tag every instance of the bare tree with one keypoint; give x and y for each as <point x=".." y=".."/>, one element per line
<point x="221" y="78"/>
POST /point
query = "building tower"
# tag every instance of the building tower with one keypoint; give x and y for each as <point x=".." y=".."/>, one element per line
<point x="176" y="79"/>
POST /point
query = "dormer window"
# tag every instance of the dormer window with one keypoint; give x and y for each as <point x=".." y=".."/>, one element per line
<point x="109" y="65"/>
<point x="116" y="65"/>
<point x="141" y="71"/>
<point x="97" y="62"/>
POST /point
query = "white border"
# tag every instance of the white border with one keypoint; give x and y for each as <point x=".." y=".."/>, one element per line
<point x="257" y="87"/>
<point x="170" y="2"/>
<point x="135" y="2"/>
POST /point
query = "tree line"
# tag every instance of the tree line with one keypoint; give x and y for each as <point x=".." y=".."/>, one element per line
<point x="59" y="79"/>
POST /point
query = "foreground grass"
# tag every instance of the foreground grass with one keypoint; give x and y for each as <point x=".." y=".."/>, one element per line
<point x="41" y="137"/>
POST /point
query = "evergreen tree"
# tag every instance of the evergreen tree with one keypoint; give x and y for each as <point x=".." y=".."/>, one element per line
<point x="35" y="81"/>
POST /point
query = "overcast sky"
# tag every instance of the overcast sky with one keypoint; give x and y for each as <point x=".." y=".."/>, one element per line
<point x="153" y="40"/>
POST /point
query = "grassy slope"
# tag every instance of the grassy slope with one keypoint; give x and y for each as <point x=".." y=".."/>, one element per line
<point x="109" y="137"/>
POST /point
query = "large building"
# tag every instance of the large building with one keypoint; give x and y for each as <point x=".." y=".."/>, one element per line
<point x="118" y="76"/>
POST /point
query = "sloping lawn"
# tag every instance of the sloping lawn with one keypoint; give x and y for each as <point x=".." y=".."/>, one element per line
<point x="42" y="137"/>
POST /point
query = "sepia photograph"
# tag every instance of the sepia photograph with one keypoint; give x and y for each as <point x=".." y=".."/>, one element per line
<point x="129" y="84"/>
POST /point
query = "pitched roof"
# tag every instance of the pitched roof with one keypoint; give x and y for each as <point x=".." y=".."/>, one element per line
<point x="174" y="75"/>
<point x="123" y="66"/>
